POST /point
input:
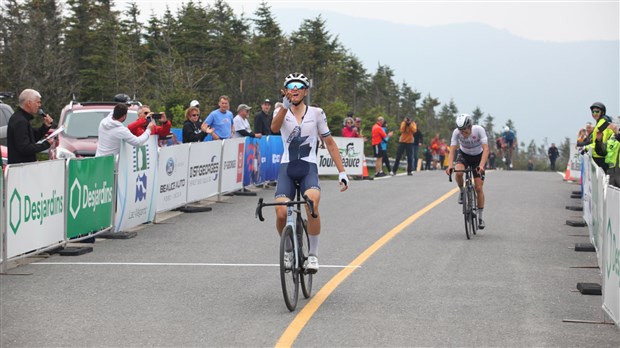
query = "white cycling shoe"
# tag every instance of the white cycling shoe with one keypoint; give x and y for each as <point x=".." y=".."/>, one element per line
<point x="312" y="264"/>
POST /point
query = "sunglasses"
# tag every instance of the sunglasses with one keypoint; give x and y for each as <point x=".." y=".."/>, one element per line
<point x="596" y="111"/>
<point x="294" y="85"/>
<point x="194" y="115"/>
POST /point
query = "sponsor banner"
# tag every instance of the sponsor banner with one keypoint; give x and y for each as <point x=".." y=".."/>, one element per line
<point x="137" y="178"/>
<point x="351" y="151"/>
<point x="90" y="194"/>
<point x="172" y="171"/>
<point x="611" y="255"/>
<point x="256" y="154"/>
<point x="204" y="170"/>
<point x="272" y="162"/>
<point x="35" y="204"/>
<point x="598" y="211"/>
<point x="575" y="162"/>
<point x="232" y="165"/>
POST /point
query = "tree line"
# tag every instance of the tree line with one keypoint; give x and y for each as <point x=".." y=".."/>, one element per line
<point x="86" y="49"/>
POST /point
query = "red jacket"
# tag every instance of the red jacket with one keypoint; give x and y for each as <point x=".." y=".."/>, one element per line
<point x="138" y="127"/>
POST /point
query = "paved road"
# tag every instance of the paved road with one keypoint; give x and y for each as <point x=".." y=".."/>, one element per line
<point x="210" y="279"/>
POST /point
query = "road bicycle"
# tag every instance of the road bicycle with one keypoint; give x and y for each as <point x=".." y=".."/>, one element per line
<point x="296" y="233"/>
<point x="470" y="202"/>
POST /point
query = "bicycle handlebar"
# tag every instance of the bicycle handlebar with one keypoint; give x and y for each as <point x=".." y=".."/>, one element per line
<point x="307" y="201"/>
<point x="468" y="169"/>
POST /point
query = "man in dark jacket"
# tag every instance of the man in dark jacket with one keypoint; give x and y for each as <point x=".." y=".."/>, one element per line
<point x="262" y="120"/>
<point x="553" y="155"/>
<point x="21" y="137"/>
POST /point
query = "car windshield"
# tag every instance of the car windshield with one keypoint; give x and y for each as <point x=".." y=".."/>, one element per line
<point x="85" y="123"/>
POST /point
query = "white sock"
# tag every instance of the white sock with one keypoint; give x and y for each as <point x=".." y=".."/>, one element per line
<point x="314" y="244"/>
<point x="480" y="213"/>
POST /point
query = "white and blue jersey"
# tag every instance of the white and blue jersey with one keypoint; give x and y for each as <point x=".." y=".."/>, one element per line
<point x="301" y="140"/>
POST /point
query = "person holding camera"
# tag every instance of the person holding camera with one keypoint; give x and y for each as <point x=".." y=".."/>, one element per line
<point x="21" y="137"/>
<point x="112" y="132"/>
<point x="145" y="116"/>
<point x="408" y="128"/>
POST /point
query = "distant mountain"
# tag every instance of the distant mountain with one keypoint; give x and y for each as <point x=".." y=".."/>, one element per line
<point x="544" y="87"/>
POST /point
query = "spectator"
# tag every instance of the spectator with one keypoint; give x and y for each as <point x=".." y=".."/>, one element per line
<point x="193" y="129"/>
<point x="428" y="157"/>
<point x="262" y="120"/>
<point x="492" y="157"/>
<point x="600" y="126"/>
<point x="443" y="149"/>
<point x="349" y="130"/>
<point x="358" y="125"/>
<point x="418" y="141"/>
<point x="435" y="142"/>
<point x="553" y="153"/>
<point x="112" y="132"/>
<point x="21" y="137"/>
<point x="405" y="145"/>
<point x="145" y="115"/>
<point x="585" y="139"/>
<point x="221" y="120"/>
<point x="384" y="148"/>
<point x="377" y="137"/>
<point x="530" y="165"/>
<point x="611" y="150"/>
<point x="241" y="123"/>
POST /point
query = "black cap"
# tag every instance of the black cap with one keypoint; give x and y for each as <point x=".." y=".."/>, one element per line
<point x="266" y="101"/>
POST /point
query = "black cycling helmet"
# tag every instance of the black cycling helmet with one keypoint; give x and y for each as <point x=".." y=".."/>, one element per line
<point x="599" y="105"/>
<point x="122" y="98"/>
<point x="463" y="121"/>
<point x="297" y="77"/>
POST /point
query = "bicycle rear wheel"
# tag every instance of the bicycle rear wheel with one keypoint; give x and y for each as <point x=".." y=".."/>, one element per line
<point x="289" y="277"/>
<point x="304" y="243"/>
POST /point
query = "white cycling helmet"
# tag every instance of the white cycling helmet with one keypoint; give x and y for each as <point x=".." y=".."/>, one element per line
<point x="297" y="77"/>
<point x="506" y="129"/>
<point x="463" y="121"/>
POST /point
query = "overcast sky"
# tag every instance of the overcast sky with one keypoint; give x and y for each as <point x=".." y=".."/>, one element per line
<point x="559" y="21"/>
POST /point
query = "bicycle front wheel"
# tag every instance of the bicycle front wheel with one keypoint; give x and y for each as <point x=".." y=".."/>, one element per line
<point x="467" y="213"/>
<point x="472" y="208"/>
<point x="289" y="277"/>
<point x="304" y="244"/>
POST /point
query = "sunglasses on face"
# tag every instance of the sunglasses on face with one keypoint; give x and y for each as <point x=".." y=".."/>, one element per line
<point x="596" y="111"/>
<point x="294" y="85"/>
<point x="194" y="115"/>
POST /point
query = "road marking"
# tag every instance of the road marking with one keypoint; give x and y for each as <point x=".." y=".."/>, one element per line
<point x="175" y="264"/>
<point x="292" y="331"/>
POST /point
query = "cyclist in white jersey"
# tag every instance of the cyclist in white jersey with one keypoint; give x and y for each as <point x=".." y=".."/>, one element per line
<point x="473" y="151"/>
<point x="302" y="127"/>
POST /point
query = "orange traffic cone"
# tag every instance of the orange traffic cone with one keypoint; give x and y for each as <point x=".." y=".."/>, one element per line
<point x="567" y="176"/>
<point x="364" y="169"/>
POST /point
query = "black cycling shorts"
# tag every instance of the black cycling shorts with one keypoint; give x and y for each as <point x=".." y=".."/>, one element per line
<point x="469" y="161"/>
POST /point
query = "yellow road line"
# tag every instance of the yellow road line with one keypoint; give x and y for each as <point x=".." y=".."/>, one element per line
<point x="292" y="331"/>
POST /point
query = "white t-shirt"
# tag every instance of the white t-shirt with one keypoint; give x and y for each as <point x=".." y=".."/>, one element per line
<point x="301" y="140"/>
<point x="241" y="123"/>
<point x="472" y="145"/>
